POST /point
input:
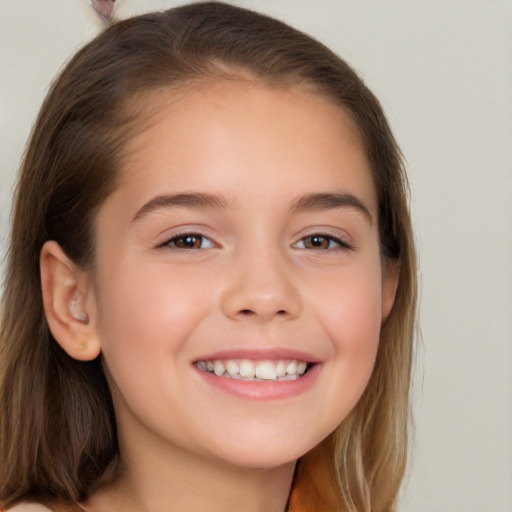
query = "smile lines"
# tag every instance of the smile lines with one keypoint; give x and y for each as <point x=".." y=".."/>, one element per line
<point x="258" y="371"/>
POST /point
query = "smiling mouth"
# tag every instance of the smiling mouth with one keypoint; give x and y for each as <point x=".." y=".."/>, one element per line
<point x="256" y="371"/>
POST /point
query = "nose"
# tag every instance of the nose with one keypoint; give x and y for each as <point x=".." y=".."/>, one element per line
<point x="261" y="287"/>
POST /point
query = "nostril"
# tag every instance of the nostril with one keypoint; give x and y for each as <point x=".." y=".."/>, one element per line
<point x="250" y="312"/>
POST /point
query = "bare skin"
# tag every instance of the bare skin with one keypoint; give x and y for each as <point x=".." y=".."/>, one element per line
<point x="262" y="244"/>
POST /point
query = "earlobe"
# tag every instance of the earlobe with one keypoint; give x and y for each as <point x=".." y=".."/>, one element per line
<point x="390" y="278"/>
<point x="69" y="303"/>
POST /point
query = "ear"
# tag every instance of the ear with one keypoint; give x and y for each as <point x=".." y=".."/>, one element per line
<point x="390" y="277"/>
<point x="69" y="303"/>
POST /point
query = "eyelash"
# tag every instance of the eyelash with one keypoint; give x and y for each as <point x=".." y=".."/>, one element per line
<point x="339" y="243"/>
<point x="184" y="236"/>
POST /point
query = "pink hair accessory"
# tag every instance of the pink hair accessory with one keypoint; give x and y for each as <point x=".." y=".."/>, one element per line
<point x="105" y="9"/>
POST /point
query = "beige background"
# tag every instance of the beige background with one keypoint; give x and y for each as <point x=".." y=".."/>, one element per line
<point x="443" y="71"/>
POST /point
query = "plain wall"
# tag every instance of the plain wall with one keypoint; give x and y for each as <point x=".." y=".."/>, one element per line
<point x="443" y="72"/>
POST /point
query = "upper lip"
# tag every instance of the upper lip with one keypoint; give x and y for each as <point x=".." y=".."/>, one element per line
<point x="260" y="354"/>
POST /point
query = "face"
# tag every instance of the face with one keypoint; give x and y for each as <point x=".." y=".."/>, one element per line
<point x="238" y="279"/>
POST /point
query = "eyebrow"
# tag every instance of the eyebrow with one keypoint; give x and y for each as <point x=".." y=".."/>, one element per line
<point x="329" y="201"/>
<point x="309" y="202"/>
<point x="187" y="199"/>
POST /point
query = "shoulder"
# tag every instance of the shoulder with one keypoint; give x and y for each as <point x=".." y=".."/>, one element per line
<point x="29" y="507"/>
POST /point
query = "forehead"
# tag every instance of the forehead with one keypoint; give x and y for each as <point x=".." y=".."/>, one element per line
<point x="217" y="133"/>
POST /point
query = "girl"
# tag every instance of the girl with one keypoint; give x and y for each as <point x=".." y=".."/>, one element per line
<point x="210" y="294"/>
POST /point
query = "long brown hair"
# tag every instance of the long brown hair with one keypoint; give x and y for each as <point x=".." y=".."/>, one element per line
<point x="57" y="424"/>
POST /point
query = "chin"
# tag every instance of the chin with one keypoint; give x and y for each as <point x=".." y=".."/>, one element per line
<point x="267" y="452"/>
<point x="261" y="462"/>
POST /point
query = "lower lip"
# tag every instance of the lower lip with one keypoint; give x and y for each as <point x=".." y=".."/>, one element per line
<point x="266" y="390"/>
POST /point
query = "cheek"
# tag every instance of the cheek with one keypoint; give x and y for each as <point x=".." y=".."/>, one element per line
<point x="351" y="318"/>
<point x="351" y="309"/>
<point x="354" y="331"/>
<point x="147" y="313"/>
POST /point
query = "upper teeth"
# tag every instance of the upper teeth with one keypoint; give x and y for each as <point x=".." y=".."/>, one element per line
<point x="245" y="369"/>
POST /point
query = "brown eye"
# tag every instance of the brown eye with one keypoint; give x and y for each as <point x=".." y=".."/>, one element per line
<point x="317" y="242"/>
<point x="190" y="241"/>
<point x="321" y="242"/>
